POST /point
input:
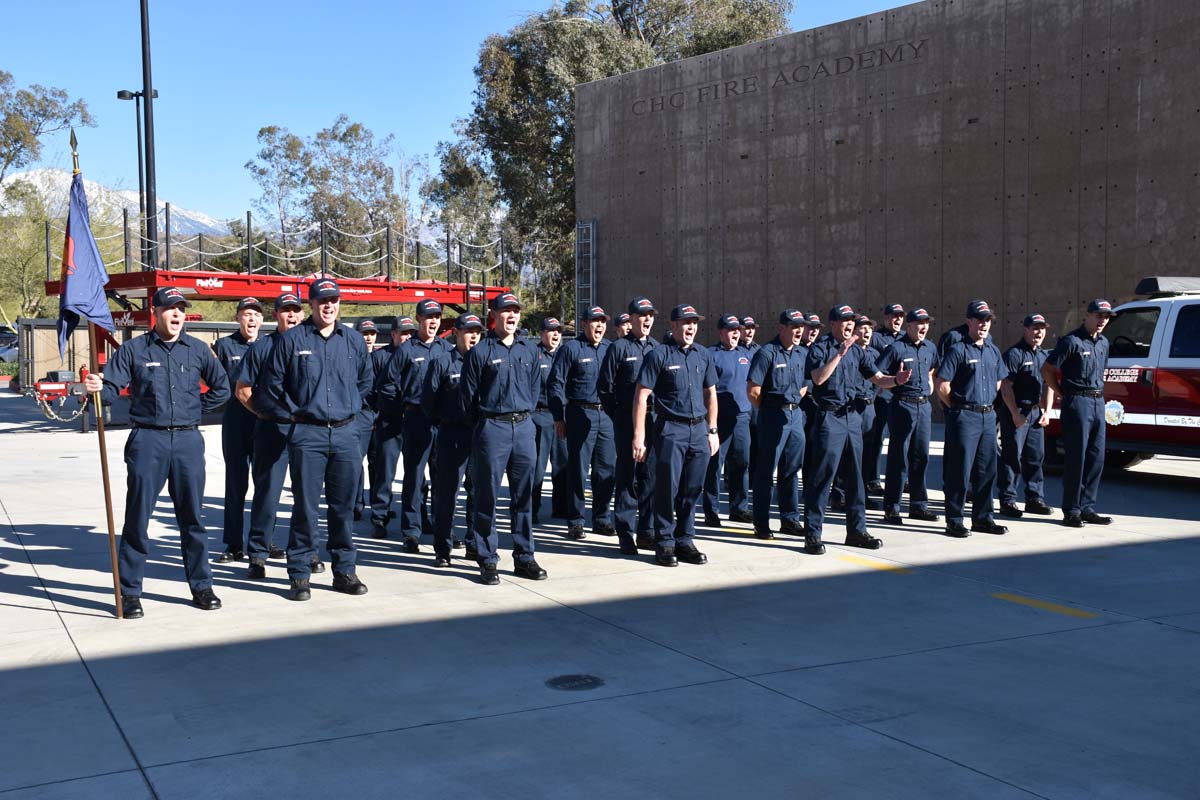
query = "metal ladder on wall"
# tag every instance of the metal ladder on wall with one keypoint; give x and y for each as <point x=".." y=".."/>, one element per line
<point x="585" y="268"/>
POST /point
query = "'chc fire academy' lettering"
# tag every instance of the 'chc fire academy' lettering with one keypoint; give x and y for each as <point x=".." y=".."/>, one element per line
<point x="792" y="75"/>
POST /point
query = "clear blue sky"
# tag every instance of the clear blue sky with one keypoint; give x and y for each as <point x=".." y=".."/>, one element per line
<point x="224" y="69"/>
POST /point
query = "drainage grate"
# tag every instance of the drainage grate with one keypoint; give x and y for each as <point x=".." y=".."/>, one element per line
<point x="575" y="683"/>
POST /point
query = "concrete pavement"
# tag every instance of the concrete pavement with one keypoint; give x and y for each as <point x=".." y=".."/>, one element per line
<point x="1050" y="662"/>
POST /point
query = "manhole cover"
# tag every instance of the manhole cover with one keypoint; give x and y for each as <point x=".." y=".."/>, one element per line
<point x="575" y="683"/>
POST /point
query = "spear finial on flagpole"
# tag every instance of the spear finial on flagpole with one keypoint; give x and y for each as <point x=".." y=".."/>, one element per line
<point x="75" y="152"/>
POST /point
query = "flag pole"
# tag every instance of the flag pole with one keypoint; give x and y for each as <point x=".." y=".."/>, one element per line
<point x="97" y="405"/>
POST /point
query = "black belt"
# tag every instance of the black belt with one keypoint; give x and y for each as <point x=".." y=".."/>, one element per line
<point x="514" y="416"/>
<point x="166" y="427"/>
<point x="581" y="404"/>
<point x="915" y="399"/>
<point x="277" y="421"/>
<point x="322" y="423"/>
<point x="978" y="409"/>
<point x="684" y="420"/>
<point x="837" y="411"/>
<point x="767" y="403"/>
<point x="1086" y="393"/>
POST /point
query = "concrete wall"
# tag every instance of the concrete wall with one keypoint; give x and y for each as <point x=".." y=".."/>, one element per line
<point x="1035" y="153"/>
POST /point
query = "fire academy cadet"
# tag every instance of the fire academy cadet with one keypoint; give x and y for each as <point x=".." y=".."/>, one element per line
<point x="320" y="371"/>
<point x="237" y="428"/>
<point x="733" y="426"/>
<point x="398" y="389"/>
<point x="837" y="364"/>
<point x="579" y="418"/>
<point x="890" y="331"/>
<point x="1023" y="422"/>
<point x="747" y="343"/>
<point x="616" y="387"/>
<point x="550" y="449"/>
<point x="388" y="438"/>
<point x="441" y="401"/>
<point x="271" y="432"/>
<point x="968" y="378"/>
<point x="909" y="419"/>
<point x="366" y="417"/>
<point x="163" y="370"/>
<point x="865" y="395"/>
<point x="775" y="384"/>
<point x="499" y="386"/>
<point x="681" y="377"/>
<point x="1082" y="355"/>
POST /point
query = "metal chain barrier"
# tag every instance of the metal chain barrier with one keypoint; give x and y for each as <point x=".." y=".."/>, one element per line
<point x="50" y="413"/>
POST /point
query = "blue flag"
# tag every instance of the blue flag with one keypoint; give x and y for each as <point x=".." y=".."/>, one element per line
<point x="81" y="286"/>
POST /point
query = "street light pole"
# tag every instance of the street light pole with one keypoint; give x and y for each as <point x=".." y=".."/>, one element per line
<point x="136" y="97"/>
<point x="148" y="96"/>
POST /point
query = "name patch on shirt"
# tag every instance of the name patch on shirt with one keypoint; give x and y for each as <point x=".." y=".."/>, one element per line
<point x="673" y="366"/>
<point x="304" y="353"/>
<point x="1026" y="363"/>
<point x="497" y="360"/>
<point x="153" y="363"/>
<point x="584" y="360"/>
<point x="972" y="360"/>
<point x="780" y="366"/>
<point x="545" y="366"/>
<point x="632" y="358"/>
<point x="418" y="360"/>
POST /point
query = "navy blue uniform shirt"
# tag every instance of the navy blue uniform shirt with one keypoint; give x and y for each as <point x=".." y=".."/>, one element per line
<point x="751" y="348"/>
<point x="575" y="374"/>
<point x="164" y="379"/>
<point x="1024" y="365"/>
<point x="1082" y="360"/>
<point x="254" y="372"/>
<point x="499" y="378"/>
<point x="231" y="351"/>
<point x="953" y="336"/>
<point x="317" y="378"/>
<point x="779" y="372"/>
<point x="678" y="378"/>
<point x="919" y="358"/>
<point x="845" y="384"/>
<point x="733" y="367"/>
<point x="619" y="371"/>
<point x="402" y="380"/>
<point x="442" y="399"/>
<point x="881" y="340"/>
<point x="973" y="371"/>
<point x="545" y="361"/>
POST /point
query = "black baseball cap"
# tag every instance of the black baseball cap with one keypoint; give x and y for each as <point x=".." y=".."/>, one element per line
<point x="366" y="326"/>
<point x="1100" y="306"/>
<point x="793" y="317"/>
<point x="249" y="302"/>
<point x="594" y="313"/>
<point x="729" y="322"/>
<point x="403" y="324"/>
<point x="623" y="319"/>
<point x="748" y="322"/>
<point x="323" y="289"/>
<point x="506" y="300"/>
<point x="918" y="315"/>
<point x="813" y="320"/>
<point x="1033" y="319"/>
<point x="551" y="324"/>
<point x="684" y="312"/>
<point x="288" y="300"/>
<point x="468" y="322"/>
<point x="862" y="319"/>
<point x="841" y="313"/>
<point x="427" y="308"/>
<point x="979" y="309"/>
<point x="641" y="305"/>
<point x="169" y="296"/>
<point x="892" y="309"/>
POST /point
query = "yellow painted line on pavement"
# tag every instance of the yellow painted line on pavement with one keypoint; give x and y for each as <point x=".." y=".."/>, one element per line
<point x="1044" y="605"/>
<point x="880" y="565"/>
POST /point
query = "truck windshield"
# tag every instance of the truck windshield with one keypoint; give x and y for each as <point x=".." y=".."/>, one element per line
<point x="1131" y="332"/>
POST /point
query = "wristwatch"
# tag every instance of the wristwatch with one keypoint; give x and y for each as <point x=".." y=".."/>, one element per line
<point x="712" y="430"/>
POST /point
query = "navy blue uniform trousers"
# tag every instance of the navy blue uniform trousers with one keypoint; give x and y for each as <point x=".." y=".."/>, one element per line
<point x="970" y="456"/>
<point x="867" y="417"/>
<point x="780" y="455"/>
<point x="237" y="447"/>
<point x="1022" y="454"/>
<point x="834" y="451"/>
<point x="590" y="443"/>
<point x="551" y="451"/>
<point x="681" y="460"/>
<point x="366" y="435"/>
<point x="733" y="430"/>
<point x="908" y="454"/>
<point x="873" y="433"/>
<point x="634" y="484"/>
<point x="419" y="436"/>
<point x="1083" y="435"/>
<point x="454" y="445"/>
<point x="388" y="443"/>
<point x="503" y="448"/>
<point x="329" y="458"/>
<point x="268" y="470"/>
<point x="154" y="458"/>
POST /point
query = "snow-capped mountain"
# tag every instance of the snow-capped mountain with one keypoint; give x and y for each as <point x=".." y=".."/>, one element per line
<point x="105" y="204"/>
